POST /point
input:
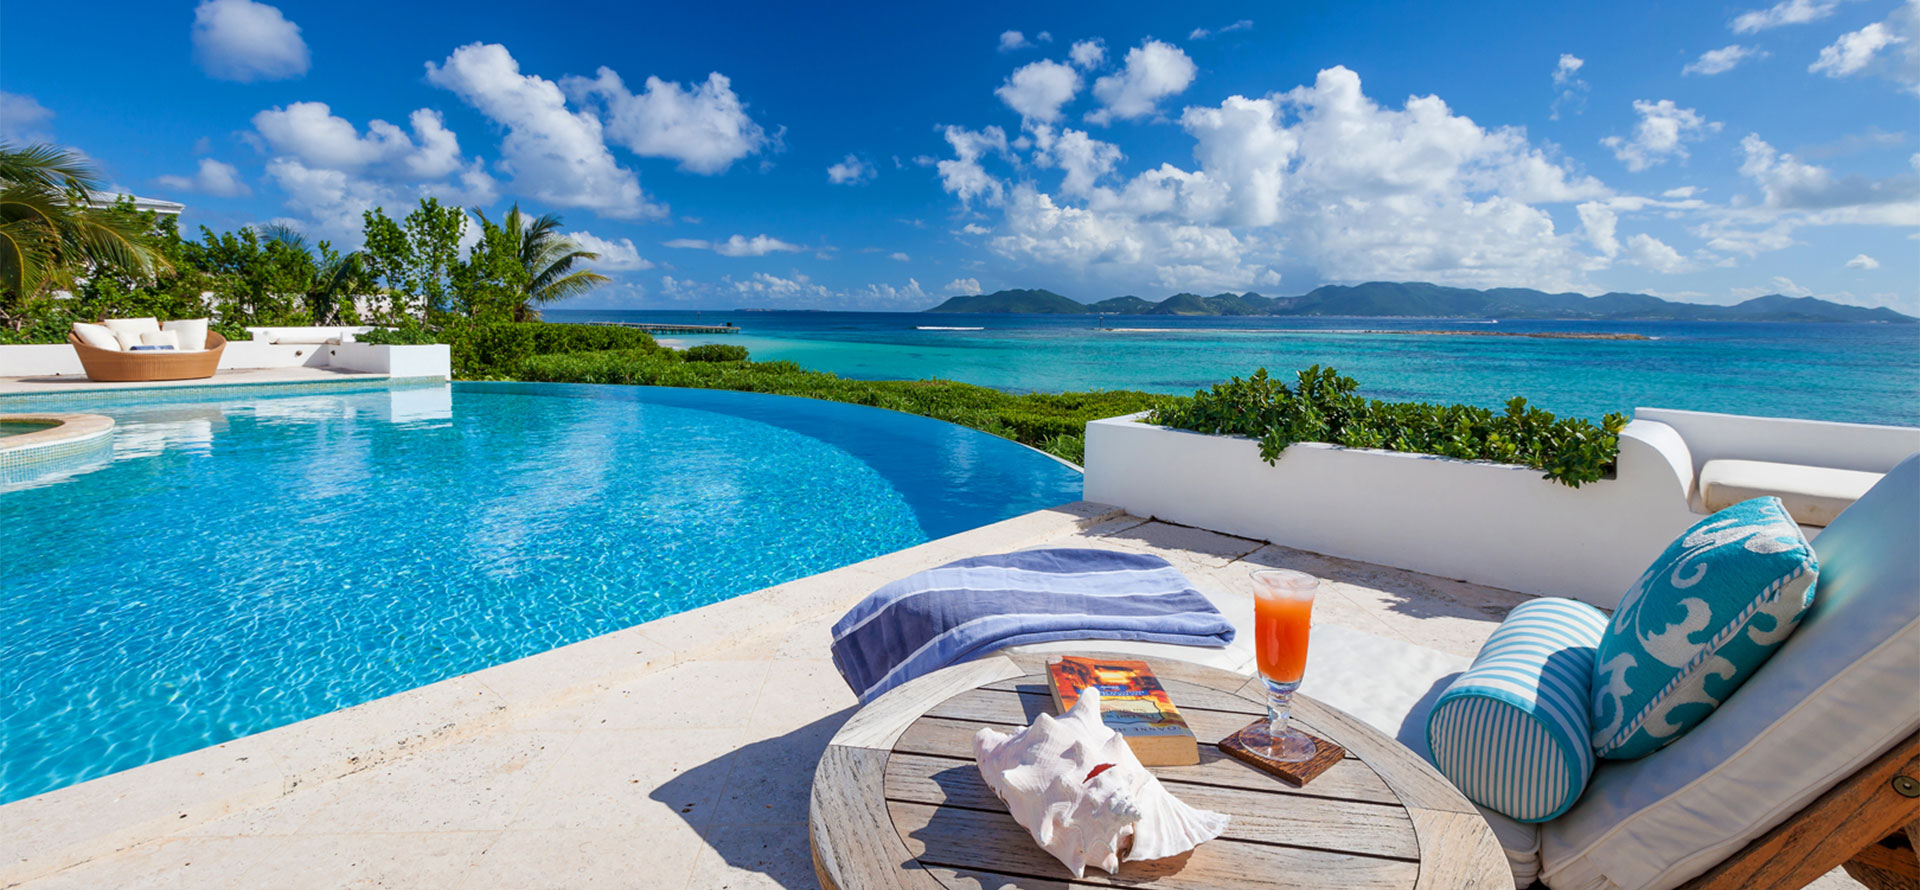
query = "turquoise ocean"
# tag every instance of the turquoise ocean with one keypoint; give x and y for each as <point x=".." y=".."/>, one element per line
<point x="1861" y="373"/>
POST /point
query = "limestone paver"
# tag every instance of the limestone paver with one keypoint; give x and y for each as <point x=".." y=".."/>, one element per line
<point x="747" y="857"/>
<point x="657" y="855"/>
<point x="625" y="778"/>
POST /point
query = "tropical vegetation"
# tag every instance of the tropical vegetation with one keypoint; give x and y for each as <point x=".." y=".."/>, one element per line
<point x="67" y="255"/>
<point x="1325" y="406"/>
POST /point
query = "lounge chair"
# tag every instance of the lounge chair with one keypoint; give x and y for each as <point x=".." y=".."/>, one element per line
<point x="1808" y="766"/>
<point x="115" y="366"/>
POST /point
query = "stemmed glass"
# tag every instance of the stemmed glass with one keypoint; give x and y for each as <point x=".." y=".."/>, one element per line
<point x="1282" y="615"/>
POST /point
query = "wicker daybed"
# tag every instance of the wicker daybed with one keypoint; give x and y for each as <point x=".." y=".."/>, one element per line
<point x="110" y="365"/>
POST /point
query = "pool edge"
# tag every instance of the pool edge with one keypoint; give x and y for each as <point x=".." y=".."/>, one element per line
<point x="67" y="826"/>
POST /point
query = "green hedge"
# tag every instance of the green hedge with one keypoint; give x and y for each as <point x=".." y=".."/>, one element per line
<point x="1323" y="406"/>
<point x="714" y="352"/>
<point x="492" y="350"/>
<point x="1055" y="423"/>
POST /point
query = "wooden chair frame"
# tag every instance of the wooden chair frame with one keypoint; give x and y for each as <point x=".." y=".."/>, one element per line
<point x="1842" y="827"/>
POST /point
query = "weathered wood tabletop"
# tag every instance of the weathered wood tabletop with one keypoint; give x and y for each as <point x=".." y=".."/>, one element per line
<point x="899" y="803"/>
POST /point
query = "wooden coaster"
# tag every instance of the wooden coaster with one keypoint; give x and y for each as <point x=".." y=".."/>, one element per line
<point x="1325" y="755"/>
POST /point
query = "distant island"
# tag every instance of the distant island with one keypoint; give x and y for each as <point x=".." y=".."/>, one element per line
<point x="1386" y="299"/>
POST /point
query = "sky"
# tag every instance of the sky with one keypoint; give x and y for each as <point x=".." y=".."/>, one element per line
<point x="891" y="155"/>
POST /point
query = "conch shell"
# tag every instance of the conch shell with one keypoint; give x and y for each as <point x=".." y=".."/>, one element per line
<point x="1077" y="788"/>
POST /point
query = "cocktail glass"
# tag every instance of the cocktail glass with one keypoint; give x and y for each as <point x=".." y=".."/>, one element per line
<point x="1282" y="615"/>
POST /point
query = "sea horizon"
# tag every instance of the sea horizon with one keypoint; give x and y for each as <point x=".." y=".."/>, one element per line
<point x="1837" y="371"/>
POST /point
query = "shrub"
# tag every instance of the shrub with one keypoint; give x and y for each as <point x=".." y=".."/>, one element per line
<point x="1323" y="407"/>
<point x="1054" y="423"/>
<point x="483" y="350"/>
<point x="714" y="352"/>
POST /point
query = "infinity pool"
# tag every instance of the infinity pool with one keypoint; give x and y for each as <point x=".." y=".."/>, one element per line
<point x="240" y="564"/>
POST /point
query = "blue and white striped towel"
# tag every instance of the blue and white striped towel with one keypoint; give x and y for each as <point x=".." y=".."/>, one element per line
<point x="966" y="609"/>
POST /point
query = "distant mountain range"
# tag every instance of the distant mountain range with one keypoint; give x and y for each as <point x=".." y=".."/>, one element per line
<point x="1387" y="299"/>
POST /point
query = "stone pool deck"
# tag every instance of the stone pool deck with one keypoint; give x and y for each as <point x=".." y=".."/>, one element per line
<point x="674" y="754"/>
<point x="74" y="384"/>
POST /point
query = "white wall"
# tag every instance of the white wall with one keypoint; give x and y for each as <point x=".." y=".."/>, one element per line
<point x="430" y="360"/>
<point x="1494" y="524"/>
<point x="39" y="360"/>
<point x="1846" y="446"/>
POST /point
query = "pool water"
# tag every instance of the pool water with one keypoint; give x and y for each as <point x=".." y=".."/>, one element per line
<point x="242" y="564"/>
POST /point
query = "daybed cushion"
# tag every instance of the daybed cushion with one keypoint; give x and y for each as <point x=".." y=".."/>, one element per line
<point x="136" y="325"/>
<point x="1811" y="495"/>
<point x="169" y="339"/>
<point x="1703" y="617"/>
<point x="192" y="331"/>
<point x="1837" y="695"/>
<point x="1392" y="685"/>
<point x="98" y="336"/>
<point x="1511" y="733"/>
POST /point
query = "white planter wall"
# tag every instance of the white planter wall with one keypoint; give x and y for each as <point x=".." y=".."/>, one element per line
<point x="1493" y="524"/>
<point x="429" y="360"/>
<point x="39" y="360"/>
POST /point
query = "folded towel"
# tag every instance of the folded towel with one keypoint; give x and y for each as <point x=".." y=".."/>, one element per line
<point x="966" y="609"/>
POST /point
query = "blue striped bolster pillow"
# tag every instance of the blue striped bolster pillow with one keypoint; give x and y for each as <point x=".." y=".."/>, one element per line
<point x="1513" y="732"/>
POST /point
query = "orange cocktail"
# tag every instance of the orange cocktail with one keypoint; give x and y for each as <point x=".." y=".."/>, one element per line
<point x="1282" y="618"/>
<point x="1280" y="630"/>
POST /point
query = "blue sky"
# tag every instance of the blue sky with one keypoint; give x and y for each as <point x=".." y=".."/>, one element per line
<point x="885" y="157"/>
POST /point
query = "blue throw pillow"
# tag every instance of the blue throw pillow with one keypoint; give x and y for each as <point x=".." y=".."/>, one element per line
<point x="1702" y="619"/>
<point x="1511" y="732"/>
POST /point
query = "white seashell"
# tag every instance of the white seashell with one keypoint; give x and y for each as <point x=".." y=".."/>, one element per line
<point x="1077" y="788"/>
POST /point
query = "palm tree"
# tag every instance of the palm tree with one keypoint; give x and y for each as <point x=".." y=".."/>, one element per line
<point x="51" y="231"/>
<point x="549" y="258"/>
<point x="334" y="278"/>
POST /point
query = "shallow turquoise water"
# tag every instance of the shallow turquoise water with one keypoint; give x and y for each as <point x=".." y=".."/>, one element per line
<point x="236" y="565"/>
<point x="1864" y="373"/>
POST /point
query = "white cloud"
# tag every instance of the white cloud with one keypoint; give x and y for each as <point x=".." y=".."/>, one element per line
<point x="767" y="285"/>
<point x="556" y="156"/>
<point x="1600" y="223"/>
<point x="738" y="245"/>
<point x="974" y="229"/>
<point x="963" y="175"/>
<point x="213" y="178"/>
<point x="963" y="286"/>
<point x="1661" y="133"/>
<point x="1083" y="159"/>
<point x="1682" y="193"/>
<point x="851" y="171"/>
<point x="1854" y="50"/>
<point x="1013" y="40"/>
<point x="247" y="41"/>
<point x="616" y="254"/>
<point x="1203" y="33"/>
<point x="1651" y="253"/>
<point x="1088" y="54"/>
<point x="1722" y="60"/>
<point x="1862" y="261"/>
<point x="887" y="293"/>
<point x="23" y="119"/>
<point x="1153" y="71"/>
<point x="1789" y="184"/>
<point x="1353" y="190"/>
<point x="331" y="201"/>
<point x="1784" y="285"/>
<point x="705" y="128"/>
<point x="311" y="132"/>
<point x="1570" y="92"/>
<point x="1787" y="12"/>
<point x="899" y="257"/>
<point x="1037" y="91"/>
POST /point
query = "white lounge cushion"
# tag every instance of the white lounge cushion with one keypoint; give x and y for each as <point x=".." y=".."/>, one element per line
<point x="1812" y="495"/>
<point x="1837" y="694"/>
<point x="98" y="336"/>
<point x="1391" y="686"/>
<point x="169" y="339"/>
<point x="192" y="331"/>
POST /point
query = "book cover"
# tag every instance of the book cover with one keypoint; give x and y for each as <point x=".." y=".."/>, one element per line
<point x="1132" y="703"/>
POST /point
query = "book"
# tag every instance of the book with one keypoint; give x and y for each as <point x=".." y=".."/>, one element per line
<point x="1132" y="703"/>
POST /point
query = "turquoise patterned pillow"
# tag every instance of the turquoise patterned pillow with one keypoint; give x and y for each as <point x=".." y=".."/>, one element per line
<point x="1702" y="619"/>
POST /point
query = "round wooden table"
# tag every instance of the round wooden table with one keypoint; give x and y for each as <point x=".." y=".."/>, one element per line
<point x="898" y="802"/>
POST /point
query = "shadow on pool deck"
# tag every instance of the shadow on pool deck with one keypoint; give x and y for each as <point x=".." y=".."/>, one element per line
<point x="759" y="822"/>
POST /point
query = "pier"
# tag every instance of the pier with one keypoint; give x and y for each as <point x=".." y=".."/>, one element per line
<point x="652" y="328"/>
